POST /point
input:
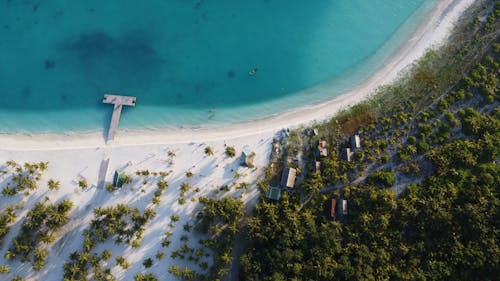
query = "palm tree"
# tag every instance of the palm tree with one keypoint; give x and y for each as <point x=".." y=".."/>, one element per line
<point x="53" y="184"/>
<point x="83" y="183"/>
<point x="12" y="163"/>
<point x="230" y="151"/>
<point x="43" y="166"/>
<point x="4" y="269"/>
<point x="209" y="151"/>
<point x="9" y="216"/>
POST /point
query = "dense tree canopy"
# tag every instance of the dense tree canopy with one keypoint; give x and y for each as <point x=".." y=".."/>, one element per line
<point x="441" y="150"/>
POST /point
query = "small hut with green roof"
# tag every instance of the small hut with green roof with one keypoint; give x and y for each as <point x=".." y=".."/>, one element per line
<point x="273" y="193"/>
<point x="118" y="178"/>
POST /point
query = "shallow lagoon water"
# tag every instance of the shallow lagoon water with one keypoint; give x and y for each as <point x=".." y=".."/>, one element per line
<point x="187" y="62"/>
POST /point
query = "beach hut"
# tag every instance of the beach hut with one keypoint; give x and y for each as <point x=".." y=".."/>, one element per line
<point x="322" y="148"/>
<point x="355" y="142"/>
<point x="342" y="207"/>
<point x="317" y="167"/>
<point x="273" y="193"/>
<point x="330" y="208"/>
<point x="276" y="147"/>
<point x="118" y="178"/>
<point x="247" y="158"/>
<point x="288" y="177"/>
<point x="347" y="154"/>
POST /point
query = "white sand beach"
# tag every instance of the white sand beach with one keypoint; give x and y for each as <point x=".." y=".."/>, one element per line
<point x="74" y="156"/>
<point x="70" y="165"/>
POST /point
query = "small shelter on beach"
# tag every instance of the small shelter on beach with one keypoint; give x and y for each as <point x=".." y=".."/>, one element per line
<point x="288" y="177"/>
<point x="355" y="142"/>
<point x="118" y="178"/>
<point x="336" y="208"/>
<point x="322" y="149"/>
<point x="330" y="208"/>
<point x="342" y="207"/>
<point x="247" y="158"/>
<point x="273" y="193"/>
<point x="317" y="167"/>
<point x="347" y="154"/>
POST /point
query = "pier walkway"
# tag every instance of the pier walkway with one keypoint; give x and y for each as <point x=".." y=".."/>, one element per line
<point x="118" y="102"/>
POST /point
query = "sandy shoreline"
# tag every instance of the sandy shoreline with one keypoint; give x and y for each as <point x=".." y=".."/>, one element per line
<point x="434" y="28"/>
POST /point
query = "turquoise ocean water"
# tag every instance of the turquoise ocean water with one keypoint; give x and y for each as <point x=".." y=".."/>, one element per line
<point x="187" y="62"/>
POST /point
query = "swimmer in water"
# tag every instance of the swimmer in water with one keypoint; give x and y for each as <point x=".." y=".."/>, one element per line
<point x="252" y="71"/>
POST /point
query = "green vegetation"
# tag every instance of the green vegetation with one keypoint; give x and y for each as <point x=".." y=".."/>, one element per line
<point x="24" y="178"/>
<point x="4" y="269"/>
<point x="7" y="217"/>
<point x="121" y="223"/>
<point x="174" y="218"/>
<point x="38" y="229"/>
<point x="423" y="190"/>
<point x="106" y="255"/>
<point x="185" y="188"/>
<point x="171" y="154"/>
<point x="209" y="151"/>
<point x="110" y="187"/>
<point x="53" y="184"/>
<point x="161" y="187"/>
<point x="147" y="263"/>
<point x="185" y="274"/>
<point x="121" y="261"/>
<point x="381" y="178"/>
<point x="437" y="132"/>
<point x="218" y="221"/>
<point x="145" y="277"/>
<point x="83" y="184"/>
<point x="159" y="255"/>
<point x="230" y="151"/>
<point x="126" y="179"/>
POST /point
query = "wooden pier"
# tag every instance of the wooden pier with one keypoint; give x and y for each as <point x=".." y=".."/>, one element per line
<point x="118" y="102"/>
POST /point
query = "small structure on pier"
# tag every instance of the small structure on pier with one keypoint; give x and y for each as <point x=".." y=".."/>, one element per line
<point x="118" y="102"/>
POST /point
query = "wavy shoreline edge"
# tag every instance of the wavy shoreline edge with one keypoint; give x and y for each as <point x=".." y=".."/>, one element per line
<point x="433" y="30"/>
